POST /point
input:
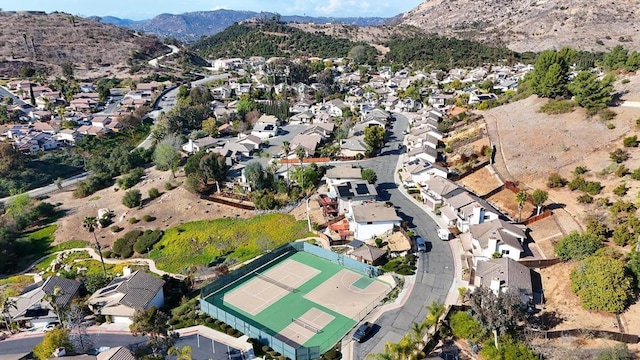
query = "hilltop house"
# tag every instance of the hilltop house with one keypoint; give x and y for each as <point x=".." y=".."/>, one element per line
<point x="119" y="300"/>
<point x="353" y="192"/>
<point x="34" y="305"/>
<point x="371" y="220"/>
<point x="504" y="274"/>
<point x="496" y="236"/>
<point x="463" y="210"/>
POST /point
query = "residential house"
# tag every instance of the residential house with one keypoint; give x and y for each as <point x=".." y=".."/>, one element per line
<point x="368" y="254"/>
<point x="119" y="300"/>
<point x="419" y="171"/>
<point x="68" y="136"/>
<point x="494" y="237"/>
<point x="221" y="92"/>
<point x="202" y="144"/>
<point x="305" y="117"/>
<point x="368" y="221"/>
<point x="264" y="131"/>
<point x="340" y="174"/>
<point x="323" y="129"/>
<point x="476" y="98"/>
<point x="435" y="189"/>
<point x="301" y="106"/>
<point x="359" y="128"/>
<point x="423" y="152"/>
<point x="309" y="142"/>
<point x="250" y="141"/>
<point x="464" y="210"/>
<point x="505" y="274"/>
<point x="353" y="192"/>
<point x="353" y="146"/>
<point x="34" y="305"/>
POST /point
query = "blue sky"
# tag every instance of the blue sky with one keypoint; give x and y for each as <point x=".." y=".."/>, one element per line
<point x="144" y="9"/>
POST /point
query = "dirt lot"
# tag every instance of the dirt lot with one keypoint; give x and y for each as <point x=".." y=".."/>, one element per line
<point x="505" y="200"/>
<point x="481" y="182"/>
<point x="170" y="209"/>
<point x="546" y="233"/>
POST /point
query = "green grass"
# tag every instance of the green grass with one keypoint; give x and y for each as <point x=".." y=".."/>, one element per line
<point x="71" y="244"/>
<point x="554" y="106"/>
<point x="197" y="243"/>
<point x="13" y="285"/>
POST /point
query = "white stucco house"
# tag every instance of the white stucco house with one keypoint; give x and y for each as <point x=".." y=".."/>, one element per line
<point x="119" y="300"/>
<point x="496" y="236"/>
<point x="370" y="220"/>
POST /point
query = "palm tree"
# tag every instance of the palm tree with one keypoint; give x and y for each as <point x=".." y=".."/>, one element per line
<point x="53" y="300"/>
<point x="286" y="148"/>
<point x="8" y="304"/>
<point x="418" y="331"/>
<point x="435" y="310"/>
<point x="90" y="223"/>
<point x="183" y="353"/>
<point x="521" y="199"/>
<point x="301" y="153"/>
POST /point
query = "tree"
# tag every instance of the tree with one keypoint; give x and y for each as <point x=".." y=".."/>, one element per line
<point x="19" y="204"/>
<point x="539" y="197"/>
<point x="255" y="175"/>
<point x="153" y="324"/>
<point x="286" y="149"/>
<point x="54" y="339"/>
<point x="577" y="246"/>
<point x="601" y="284"/>
<point x="210" y="125"/>
<point x="465" y="326"/>
<point x="183" y="353"/>
<point x="167" y="154"/>
<point x="132" y="198"/>
<point x="633" y="267"/>
<point x="214" y="167"/>
<point x="10" y="158"/>
<point x="521" y="200"/>
<point x="499" y="313"/>
<point x="301" y="154"/>
<point x="90" y="223"/>
<point x="6" y="304"/>
<point x="591" y="93"/>
<point x="554" y="82"/>
<point x="369" y="175"/>
<point x="374" y="138"/>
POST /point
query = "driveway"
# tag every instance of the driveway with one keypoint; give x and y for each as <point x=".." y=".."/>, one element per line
<point x="436" y="269"/>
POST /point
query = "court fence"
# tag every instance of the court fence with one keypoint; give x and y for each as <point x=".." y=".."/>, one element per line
<point x="277" y="342"/>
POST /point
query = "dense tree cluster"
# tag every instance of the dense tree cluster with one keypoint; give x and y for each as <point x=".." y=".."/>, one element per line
<point x="270" y="38"/>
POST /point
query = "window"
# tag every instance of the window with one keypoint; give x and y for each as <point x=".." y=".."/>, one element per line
<point x="369" y="222"/>
<point x="505" y="252"/>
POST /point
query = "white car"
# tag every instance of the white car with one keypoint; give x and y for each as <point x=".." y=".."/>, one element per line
<point x="50" y="326"/>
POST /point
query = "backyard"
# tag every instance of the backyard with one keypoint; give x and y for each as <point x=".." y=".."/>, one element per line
<point x="224" y="240"/>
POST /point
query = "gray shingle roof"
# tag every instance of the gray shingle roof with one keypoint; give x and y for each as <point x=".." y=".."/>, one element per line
<point x="511" y="273"/>
<point x="139" y="289"/>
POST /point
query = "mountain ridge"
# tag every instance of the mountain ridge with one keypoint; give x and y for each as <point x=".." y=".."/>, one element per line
<point x="191" y="26"/>
<point x="532" y="25"/>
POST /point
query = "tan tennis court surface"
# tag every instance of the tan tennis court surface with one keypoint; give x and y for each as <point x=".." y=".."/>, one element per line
<point x="304" y="298"/>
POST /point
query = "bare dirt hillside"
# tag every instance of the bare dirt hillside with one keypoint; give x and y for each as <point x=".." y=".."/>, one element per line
<point x="532" y="25"/>
<point x="46" y="41"/>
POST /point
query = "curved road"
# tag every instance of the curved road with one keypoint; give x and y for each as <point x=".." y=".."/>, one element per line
<point x="435" y="272"/>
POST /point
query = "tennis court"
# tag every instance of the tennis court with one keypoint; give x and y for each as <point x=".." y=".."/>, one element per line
<point x="302" y="298"/>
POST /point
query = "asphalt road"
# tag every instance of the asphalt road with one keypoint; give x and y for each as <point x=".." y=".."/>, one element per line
<point x="435" y="272"/>
<point x="202" y="348"/>
<point x="6" y="93"/>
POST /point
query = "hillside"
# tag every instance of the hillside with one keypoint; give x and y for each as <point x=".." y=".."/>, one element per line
<point x="45" y="42"/>
<point x="268" y="38"/>
<point x="526" y="25"/>
<point x="193" y="25"/>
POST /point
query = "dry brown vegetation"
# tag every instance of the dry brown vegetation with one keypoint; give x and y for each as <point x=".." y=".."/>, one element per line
<point x="48" y="41"/>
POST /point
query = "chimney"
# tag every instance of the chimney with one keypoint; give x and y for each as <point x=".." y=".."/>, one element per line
<point x="126" y="271"/>
<point x="495" y="285"/>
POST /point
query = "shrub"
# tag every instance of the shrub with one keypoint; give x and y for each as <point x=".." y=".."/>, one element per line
<point x="620" y="190"/>
<point x="148" y="218"/>
<point x="168" y="186"/>
<point x="606" y="114"/>
<point x="556" y="181"/>
<point x="558" y="106"/>
<point x="579" y="170"/>
<point x="131" y="179"/>
<point x="133" y="220"/>
<point x="622" y="206"/>
<point x="630" y="141"/>
<point x="576" y="183"/>
<point x="625" y="81"/>
<point x="577" y="246"/>
<point x="465" y="326"/>
<point x="621" y="171"/>
<point x="585" y="199"/>
<point x="619" y="156"/>
<point x="611" y="126"/>
<point x="601" y="283"/>
<point x="621" y="235"/>
<point x="132" y="198"/>
<point x="147" y="240"/>
<point x="635" y="175"/>
<point x="115" y="229"/>
<point x="359" y="156"/>
<point x="231" y="331"/>
<point x="154" y="193"/>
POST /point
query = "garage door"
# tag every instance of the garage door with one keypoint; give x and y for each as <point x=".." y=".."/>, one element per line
<point x="121" y="320"/>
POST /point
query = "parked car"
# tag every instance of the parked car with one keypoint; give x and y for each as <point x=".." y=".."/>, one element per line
<point x="444" y="234"/>
<point x="362" y="332"/>
<point x="421" y="245"/>
<point x="50" y="326"/>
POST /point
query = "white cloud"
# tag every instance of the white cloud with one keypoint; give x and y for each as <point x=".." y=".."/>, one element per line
<point x="332" y="7"/>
